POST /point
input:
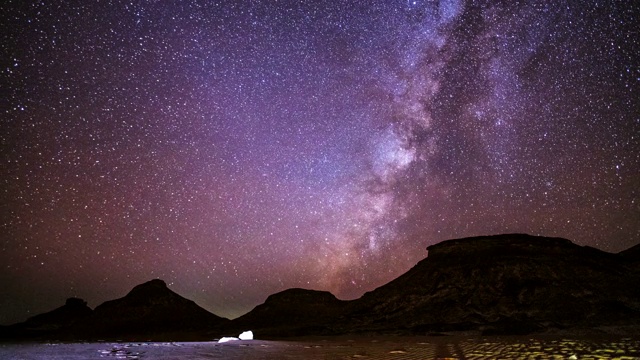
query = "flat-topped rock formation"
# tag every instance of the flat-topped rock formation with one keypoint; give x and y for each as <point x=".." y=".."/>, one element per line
<point x="511" y="283"/>
<point x="503" y="284"/>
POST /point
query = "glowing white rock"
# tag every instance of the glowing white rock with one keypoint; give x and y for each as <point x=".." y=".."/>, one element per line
<point x="247" y="335"/>
<point x="227" y="339"/>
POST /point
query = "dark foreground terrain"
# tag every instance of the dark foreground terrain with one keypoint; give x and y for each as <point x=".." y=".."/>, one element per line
<point x="510" y="284"/>
<point x="340" y="348"/>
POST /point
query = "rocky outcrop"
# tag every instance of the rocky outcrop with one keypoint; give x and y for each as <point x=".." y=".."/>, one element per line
<point x="632" y="253"/>
<point x="293" y="312"/>
<point x="44" y="325"/>
<point x="503" y="284"/>
<point x="149" y="311"/>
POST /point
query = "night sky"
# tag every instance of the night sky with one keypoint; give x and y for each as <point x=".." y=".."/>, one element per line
<point x="239" y="148"/>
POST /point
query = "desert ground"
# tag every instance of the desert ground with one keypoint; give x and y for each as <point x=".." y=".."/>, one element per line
<point x="428" y="347"/>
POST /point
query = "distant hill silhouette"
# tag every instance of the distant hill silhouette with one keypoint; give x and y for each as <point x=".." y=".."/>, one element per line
<point x="62" y="318"/>
<point x="503" y="284"/>
<point x="292" y="312"/>
<point x="632" y="253"/>
<point x="149" y="311"/>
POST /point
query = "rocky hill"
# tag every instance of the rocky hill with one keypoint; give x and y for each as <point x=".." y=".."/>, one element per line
<point x="293" y="312"/>
<point x="149" y="311"/>
<point x="632" y="253"/>
<point x="505" y="284"/>
<point x="72" y="312"/>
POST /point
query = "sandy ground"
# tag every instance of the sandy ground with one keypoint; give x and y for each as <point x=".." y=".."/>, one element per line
<point x="340" y="348"/>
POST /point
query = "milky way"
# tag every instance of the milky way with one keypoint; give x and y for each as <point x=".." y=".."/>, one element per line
<point x="236" y="149"/>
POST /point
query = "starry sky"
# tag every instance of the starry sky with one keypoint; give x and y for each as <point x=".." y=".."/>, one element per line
<point x="235" y="149"/>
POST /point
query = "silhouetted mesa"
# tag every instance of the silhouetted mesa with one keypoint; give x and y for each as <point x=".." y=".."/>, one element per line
<point x="506" y="284"/>
<point x="503" y="284"/>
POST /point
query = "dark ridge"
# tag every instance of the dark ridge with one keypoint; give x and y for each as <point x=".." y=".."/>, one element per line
<point x="505" y="243"/>
<point x="503" y="284"/>
<point x="513" y="283"/>
<point x="632" y="253"/>
<point x="149" y="311"/>
<point x="44" y="325"/>
<point x="292" y="312"/>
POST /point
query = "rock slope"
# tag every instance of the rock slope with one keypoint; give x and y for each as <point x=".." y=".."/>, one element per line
<point x="72" y="312"/>
<point x="293" y="312"/>
<point x="503" y="284"/>
<point x="149" y="311"/>
<point x="506" y="284"/>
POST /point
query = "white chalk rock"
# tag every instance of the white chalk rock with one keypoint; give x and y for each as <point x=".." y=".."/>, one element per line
<point x="247" y="335"/>
<point x="227" y="339"/>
